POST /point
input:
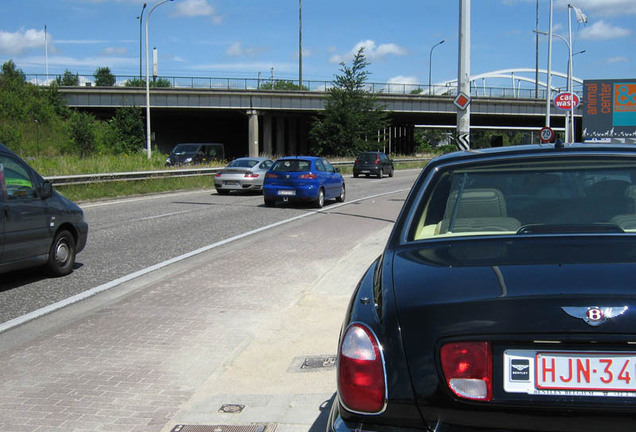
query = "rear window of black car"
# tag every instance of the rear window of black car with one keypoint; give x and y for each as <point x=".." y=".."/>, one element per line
<point x="292" y="165"/>
<point x="559" y="197"/>
<point x="367" y="157"/>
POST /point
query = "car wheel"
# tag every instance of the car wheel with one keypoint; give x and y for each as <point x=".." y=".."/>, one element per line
<point x="222" y="192"/>
<point x="391" y="172"/>
<point x="270" y="202"/>
<point x="320" y="201"/>
<point x="355" y="175"/>
<point x="341" y="197"/>
<point x="61" y="254"/>
<point x="381" y="173"/>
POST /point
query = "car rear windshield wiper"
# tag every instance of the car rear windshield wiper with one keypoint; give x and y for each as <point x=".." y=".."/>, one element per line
<point x="600" y="228"/>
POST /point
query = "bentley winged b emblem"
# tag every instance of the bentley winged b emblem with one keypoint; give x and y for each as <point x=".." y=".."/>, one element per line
<point x="594" y="315"/>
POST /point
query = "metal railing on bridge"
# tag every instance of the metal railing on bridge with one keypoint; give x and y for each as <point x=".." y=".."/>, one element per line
<point x="255" y="84"/>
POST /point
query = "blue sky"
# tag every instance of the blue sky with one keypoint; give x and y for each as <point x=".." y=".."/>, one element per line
<point x="242" y="38"/>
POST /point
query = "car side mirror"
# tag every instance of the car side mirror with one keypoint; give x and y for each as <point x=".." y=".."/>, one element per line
<point x="46" y="189"/>
<point x="337" y="170"/>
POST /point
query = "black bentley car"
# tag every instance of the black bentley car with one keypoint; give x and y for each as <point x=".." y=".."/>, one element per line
<point x="505" y="299"/>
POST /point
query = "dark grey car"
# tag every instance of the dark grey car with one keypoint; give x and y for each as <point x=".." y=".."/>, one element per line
<point x="38" y="226"/>
<point x="373" y="163"/>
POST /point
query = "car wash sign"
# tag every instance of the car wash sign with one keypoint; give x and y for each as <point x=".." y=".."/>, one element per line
<point x="565" y="101"/>
<point x="609" y="110"/>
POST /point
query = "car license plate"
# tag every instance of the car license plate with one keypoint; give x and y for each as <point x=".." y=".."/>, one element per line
<point x="570" y="373"/>
<point x="231" y="183"/>
<point x="286" y="192"/>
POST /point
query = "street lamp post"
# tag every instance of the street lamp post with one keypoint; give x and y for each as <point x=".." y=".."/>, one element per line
<point x="430" y="64"/>
<point x="568" y="84"/>
<point x="140" y="18"/>
<point x="148" y="131"/>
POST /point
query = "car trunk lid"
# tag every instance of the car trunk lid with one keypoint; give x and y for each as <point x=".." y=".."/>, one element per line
<point x="526" y="297"/>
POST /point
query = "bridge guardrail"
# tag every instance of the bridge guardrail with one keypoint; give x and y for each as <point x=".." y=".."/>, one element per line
<point x="82" y="179"/>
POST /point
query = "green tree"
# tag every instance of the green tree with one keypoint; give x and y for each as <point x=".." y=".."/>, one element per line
<point x="352" y="115"/>
<point x="82" y="132"/>
<point x="11" y="75"/>
<point x="68" y="79"/>
<point x="281" y="85"/>
<point x="104" y="77"/>
<point x="127" y="131"/>
<point x="159" y="82"/>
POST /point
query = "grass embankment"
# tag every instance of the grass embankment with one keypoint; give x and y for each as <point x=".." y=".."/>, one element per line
<point x="68" y="165"/>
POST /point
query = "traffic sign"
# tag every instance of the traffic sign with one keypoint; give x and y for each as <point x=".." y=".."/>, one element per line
<point x="546" y="134"/>
<point x="564" y="100"/>
<point x="462" y="100"/>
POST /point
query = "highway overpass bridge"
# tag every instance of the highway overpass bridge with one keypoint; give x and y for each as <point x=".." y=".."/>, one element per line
<point x="277" y="122"/>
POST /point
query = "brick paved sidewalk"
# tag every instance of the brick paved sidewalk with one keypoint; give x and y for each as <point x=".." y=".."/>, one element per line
<point x="223" y="327"/>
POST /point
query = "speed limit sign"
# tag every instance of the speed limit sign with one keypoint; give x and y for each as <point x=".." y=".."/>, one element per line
<point x="546" y="134"/>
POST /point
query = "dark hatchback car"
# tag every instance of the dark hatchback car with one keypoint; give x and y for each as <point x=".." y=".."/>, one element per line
<point x="38" y="226"/>
<point x="303" y="179"/>
<point x="505" y="299"/>
<point x="195" y="153"/>
<point x="373" y="163"/>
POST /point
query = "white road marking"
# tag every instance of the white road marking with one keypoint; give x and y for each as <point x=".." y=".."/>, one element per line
<point x="96" y="290"/>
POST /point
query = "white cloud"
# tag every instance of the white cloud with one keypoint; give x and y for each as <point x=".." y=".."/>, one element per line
<point x="600" y="30"/>
<point x="619" y="59"/>
<point x="403" y="84"/>
<point x="371" y="51"/>
<point x="196" y="8"/>
<point x="114" y="51"/>
<point x="237" y="49"/>
<point x="21" y="41"/>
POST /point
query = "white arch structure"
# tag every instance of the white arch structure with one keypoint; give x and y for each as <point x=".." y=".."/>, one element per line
<point x="508" y="74"/>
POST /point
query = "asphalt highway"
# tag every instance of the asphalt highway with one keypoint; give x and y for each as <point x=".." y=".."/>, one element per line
<point x="133" y="234"/>
<point x="240" y="335"/>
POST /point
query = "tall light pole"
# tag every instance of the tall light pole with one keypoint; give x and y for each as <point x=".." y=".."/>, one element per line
<point x="300" y="44"/>
<point x="148" y="131"/>
<point x="549" y="78"/>
<point x="140" y="18"/>
<point x="430" y="64"/>
<point x="569" y="82"/>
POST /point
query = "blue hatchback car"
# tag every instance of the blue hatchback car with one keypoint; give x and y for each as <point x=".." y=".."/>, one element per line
<point x="303" y="179"/>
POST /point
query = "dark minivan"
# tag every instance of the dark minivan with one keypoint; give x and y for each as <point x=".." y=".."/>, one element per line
<point x="373" y="163"/>
<point x="38" y="226"/>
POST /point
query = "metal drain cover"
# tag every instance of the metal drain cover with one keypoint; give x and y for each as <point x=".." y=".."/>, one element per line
<point x="231" y="408"/>
<point x="313" y="363"/>
<point x="225" y="428"/>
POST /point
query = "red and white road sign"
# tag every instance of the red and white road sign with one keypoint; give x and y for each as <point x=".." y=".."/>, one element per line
<point x="546" y="134"/>
<point x="564" y="100"/>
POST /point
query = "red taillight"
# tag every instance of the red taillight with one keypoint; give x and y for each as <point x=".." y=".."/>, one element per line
<point x="308" y="176"/>
<point x="218" y="175"/>
<point x="377" y="160"/>
<point x="250" y="175"/>
<point x="271" y="175"/>
<point x="467" y="368"/>
<point x="361" y="379"/>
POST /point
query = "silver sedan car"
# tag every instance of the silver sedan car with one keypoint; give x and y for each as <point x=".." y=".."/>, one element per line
<point x="242" y="174"/>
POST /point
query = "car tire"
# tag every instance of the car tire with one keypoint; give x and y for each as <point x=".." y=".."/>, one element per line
<point x="381" y="173"/>
<point x="342" y="195"/>
<point x="269" y="202"/>
<point x="61" y="254"/>
<point x="391" y="172"/>
<point x="222" y="192"/>
<point x="320" y="201"/>
<point x="355" y="175"/>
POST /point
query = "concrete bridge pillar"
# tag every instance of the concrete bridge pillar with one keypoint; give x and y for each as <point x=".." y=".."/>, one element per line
<point x="292" y="147"/>
<point x="253" y="133"/>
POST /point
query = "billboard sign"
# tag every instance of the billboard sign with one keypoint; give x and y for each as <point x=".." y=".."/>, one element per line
<point x="609" y="110"/>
